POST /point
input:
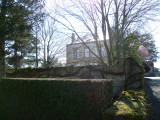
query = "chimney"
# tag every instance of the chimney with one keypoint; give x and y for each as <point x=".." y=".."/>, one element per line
<point x="73" y="37"/>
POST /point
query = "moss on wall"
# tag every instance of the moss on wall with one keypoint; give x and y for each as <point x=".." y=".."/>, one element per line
<point x="132" y="105"/>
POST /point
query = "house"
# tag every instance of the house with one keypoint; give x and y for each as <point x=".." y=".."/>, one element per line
<point x="85" y="53"/>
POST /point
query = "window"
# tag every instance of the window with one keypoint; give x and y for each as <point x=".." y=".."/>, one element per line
<point x="86" y="54"/>
<point x="76" y="54"/>
<point x="96" y="51"/>
<point x="102" y="51"/>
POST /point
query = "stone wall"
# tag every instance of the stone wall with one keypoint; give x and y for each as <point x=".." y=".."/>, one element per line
<point x="87" y="72"/>
<point x="127" y="76"/>
<point x="134" y="74"/>
<point x="130" y="75"/>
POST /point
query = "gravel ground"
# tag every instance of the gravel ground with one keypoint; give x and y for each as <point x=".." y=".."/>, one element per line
<point x="152" y="88"/>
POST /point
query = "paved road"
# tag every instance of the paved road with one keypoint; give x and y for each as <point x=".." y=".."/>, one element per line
<point x="152" y="88"/>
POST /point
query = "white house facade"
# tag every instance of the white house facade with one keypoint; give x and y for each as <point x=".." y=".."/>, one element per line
<point x="82" y="54"/>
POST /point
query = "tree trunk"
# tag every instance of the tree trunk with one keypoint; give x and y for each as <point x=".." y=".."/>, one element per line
<point x="16" y="60"/>
<point x="117" y="33"/>
<point x="2" y="39"/>
<point x="44" y="57"/>
<point x="36" y="51"/>
<point x="2" y="57"/>
<point x="48" y="56"/>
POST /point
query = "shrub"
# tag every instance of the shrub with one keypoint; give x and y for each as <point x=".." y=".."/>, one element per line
<point x="56" y="99"/>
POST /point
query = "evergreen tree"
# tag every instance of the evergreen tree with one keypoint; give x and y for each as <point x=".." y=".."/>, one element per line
<point x="133" y="44"/>
<point x="130" y="47"/>
<point x="21" y="42"/>
<point x="17" y="18"/>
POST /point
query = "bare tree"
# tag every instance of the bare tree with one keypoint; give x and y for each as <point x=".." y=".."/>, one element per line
<point x="36" y="31"/>
<point x="127" y="16"/>
<point x="52" y="43"/>
<point x="108" y="20"/>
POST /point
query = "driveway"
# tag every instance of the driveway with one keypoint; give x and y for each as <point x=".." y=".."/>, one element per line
<point x="152" y="88"/>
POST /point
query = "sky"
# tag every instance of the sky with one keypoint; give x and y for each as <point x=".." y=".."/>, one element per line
<point x="157" y="42"/>
<point x="152" y="27"/>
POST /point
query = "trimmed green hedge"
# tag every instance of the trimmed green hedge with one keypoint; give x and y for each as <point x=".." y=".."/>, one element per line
<point x="132" y="105"/>
<point x="53" y="99"/>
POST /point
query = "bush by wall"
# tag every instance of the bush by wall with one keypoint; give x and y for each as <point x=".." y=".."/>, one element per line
<point x="132" y="105"/>
<point x="54" y="99"/>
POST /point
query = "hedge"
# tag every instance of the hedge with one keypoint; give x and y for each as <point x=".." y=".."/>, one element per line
<point x="54" y="99"/>
<point x="131" y="105"/>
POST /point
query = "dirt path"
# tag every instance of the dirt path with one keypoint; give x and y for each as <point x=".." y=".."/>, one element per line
<point x="152" y="88"/>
